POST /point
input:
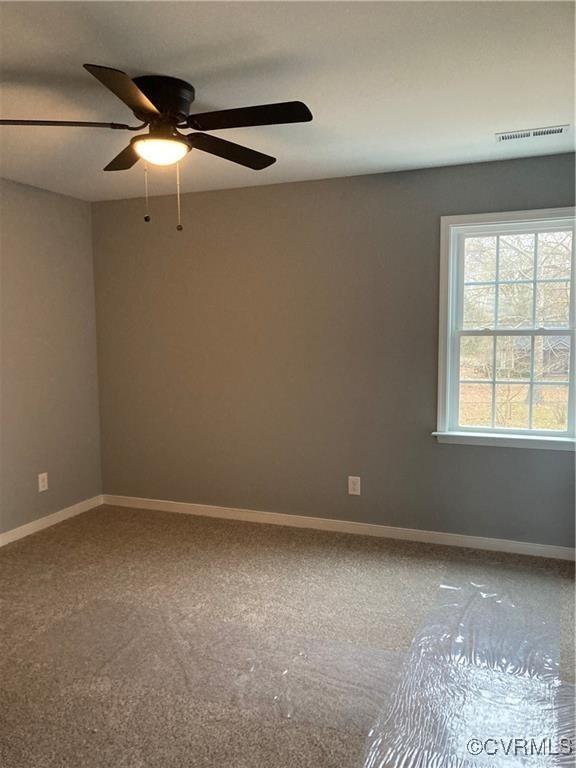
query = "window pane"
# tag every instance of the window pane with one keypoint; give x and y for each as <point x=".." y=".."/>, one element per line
<point x="476" y="357"/>
<point x="516" y="258"/>
<point x="512" y="354"/>
<point x="479" y="259"/>
<point x="552" y="358"/>
<point x="550" y="407"/>
<point x="513" y="357"/>
<point x="512" y="405"/>
<point x="475" y="405"/>
<point x="515" y="305"/>
<point x="554" y="254"/>
<point x="553" y="304"/>
<point x="478" y="306"/>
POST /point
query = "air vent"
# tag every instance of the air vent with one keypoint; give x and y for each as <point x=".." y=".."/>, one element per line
<point x="532" y="133"/>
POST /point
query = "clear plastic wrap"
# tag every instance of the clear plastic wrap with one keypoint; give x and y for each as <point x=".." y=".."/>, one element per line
<point x="481" y="685"/>
<point x="333" y="685"/>
<point x="482" y="671"/>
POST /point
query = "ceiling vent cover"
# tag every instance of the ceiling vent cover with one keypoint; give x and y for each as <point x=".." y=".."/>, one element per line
<point x="532" y="133"/>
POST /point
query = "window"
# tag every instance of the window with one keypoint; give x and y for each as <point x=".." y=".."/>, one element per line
<point x="507" y="329"/>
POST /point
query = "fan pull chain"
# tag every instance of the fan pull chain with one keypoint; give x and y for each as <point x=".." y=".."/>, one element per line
<point x="147" y="216"/>
<point x="179" y="226"/>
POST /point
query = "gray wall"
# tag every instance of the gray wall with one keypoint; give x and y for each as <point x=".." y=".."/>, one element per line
<point x="48" y="374"/>
<point x="288" y="338"/>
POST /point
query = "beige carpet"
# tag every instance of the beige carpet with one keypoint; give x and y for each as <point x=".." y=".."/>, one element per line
<point x="155" y="640"/>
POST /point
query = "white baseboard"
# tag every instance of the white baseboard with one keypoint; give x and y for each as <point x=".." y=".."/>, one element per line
<point x="346" y="526"/>
<point x="48" y="520"/>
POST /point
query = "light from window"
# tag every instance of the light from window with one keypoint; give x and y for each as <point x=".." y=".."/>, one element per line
<point x="508" y="324"/>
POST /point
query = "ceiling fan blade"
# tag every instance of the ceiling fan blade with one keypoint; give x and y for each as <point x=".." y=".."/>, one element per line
<point x="125" y="88"/>
<point x="265" y="114"/>
<point x="124" y="160"/>
<point x="230" y="151"/>
<point x="71" y="124"/>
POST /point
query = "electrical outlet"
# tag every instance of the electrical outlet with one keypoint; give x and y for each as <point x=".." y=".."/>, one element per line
<point x="353" y="486"/>
<point x="42" y="482"/>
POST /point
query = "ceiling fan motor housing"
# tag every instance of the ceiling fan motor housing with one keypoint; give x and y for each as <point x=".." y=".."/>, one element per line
<point x="171" y="96"/>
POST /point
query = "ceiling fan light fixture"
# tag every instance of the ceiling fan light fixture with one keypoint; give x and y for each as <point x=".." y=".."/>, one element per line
<point x="164" y="151"/>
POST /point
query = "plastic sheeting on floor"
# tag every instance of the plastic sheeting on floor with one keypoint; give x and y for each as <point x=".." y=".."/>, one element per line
<point x="480" y="686"/>
<point x="329" y="685"/>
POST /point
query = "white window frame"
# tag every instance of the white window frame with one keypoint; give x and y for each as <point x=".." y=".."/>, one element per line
<point x="453" y="229"/>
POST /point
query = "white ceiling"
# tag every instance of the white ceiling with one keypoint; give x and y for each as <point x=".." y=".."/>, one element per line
<point x="391" y="85"/>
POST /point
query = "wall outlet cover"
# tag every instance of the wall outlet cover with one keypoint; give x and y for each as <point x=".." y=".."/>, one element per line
<point x="353" y="486"/>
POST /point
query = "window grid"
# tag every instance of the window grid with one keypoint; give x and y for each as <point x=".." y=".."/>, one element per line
<point x="496" y="331"/>
<point x="533" y="339"/>
<point x="480" y="283"/>
<point x="494" y="345"/>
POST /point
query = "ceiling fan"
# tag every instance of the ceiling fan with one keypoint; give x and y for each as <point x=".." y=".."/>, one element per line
<point x="162" y="104"/>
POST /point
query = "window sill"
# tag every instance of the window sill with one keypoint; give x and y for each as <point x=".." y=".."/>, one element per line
<point x="539" y="442"/>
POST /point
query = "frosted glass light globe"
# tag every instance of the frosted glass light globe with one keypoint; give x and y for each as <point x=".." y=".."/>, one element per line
<point x="161" y="151"/>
